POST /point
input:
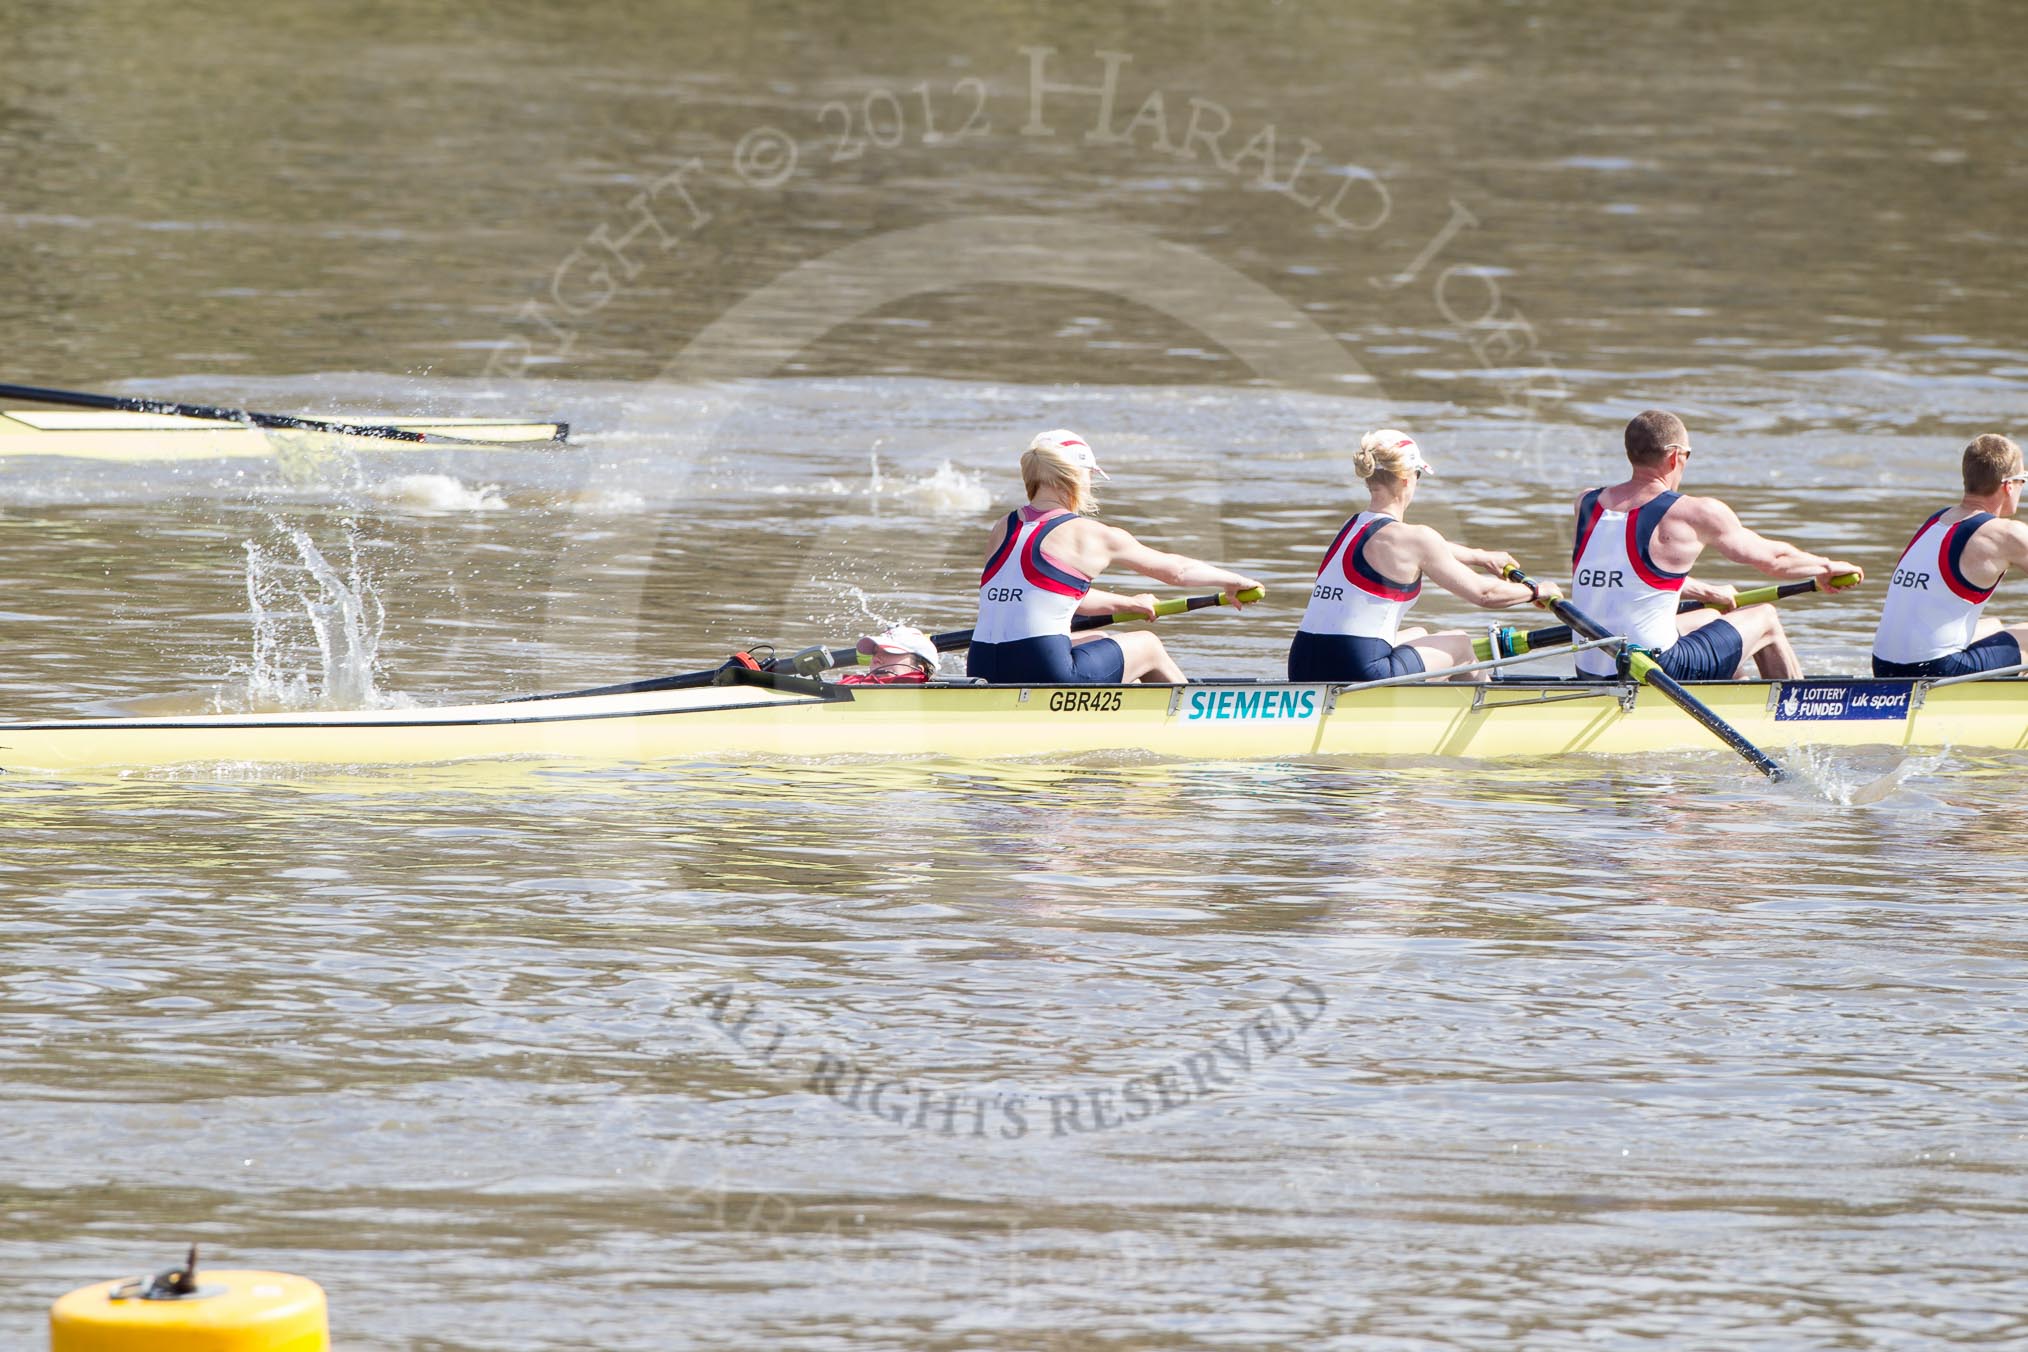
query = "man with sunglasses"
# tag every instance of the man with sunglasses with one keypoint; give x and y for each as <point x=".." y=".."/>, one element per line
<point x="1636" y="543"/>
<point x="1933" y="622"/>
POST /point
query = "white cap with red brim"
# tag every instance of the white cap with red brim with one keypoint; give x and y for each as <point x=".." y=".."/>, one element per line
<point x="1389" y="439"/>
<point x="1071" y="446"/>
<point x="898" y="640"/>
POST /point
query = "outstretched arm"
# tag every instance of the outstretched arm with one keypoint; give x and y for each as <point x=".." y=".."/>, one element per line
<point x="1494" y="561"/>
<point x="1719" y="526"/>
<point x="1178" y="570"/>
<point x="1440" y="561"/>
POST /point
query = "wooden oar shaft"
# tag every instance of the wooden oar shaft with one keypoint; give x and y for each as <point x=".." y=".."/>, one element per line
<point x="118" y="403"/>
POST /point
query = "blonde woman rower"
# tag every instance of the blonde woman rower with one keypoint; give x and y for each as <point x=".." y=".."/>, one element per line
<point x="1373" y="572"/>
<point x="1039" y="572"/>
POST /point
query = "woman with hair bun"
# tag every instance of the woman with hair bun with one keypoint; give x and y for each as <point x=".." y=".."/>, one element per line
<point x="1039" y="572"/>
<point x="1351" y="630"/>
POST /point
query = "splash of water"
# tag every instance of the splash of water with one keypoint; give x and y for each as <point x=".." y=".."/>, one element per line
<point x="1844" y="781"/>
<point x="308" y="604"/>
<point x="860" y="614"/>
<point x="949" y="491"/>
<point x="863" y="610"/>
<point x="264" y="680"/>
<point x="945" y="491"/>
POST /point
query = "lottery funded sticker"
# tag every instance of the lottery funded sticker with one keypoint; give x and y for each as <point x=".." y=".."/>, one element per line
<point x="1821" y="701"/>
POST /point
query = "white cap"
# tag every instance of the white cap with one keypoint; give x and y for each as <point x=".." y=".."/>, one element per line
<point x="901" y="639"/>
<point x="1071" y="446"/>
<point x="1388" y="439"/>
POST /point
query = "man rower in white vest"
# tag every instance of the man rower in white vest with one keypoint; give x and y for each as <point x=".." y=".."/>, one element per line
<point x="1933" y="622"/>
<point x="1637" y="541"/>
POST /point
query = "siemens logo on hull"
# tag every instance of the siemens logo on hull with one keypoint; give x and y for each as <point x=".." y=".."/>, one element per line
<point x="1262" y="704"/>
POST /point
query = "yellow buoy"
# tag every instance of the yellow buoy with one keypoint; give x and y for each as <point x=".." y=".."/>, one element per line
<point x="182" y="1310"/>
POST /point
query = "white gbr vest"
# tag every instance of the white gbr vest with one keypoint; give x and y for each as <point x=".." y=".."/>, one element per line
<point x="1022" y="593"/>
<point x="1614" y="581"/>
<point x="1932" y="609"/>
<point x="1354" y="598"/>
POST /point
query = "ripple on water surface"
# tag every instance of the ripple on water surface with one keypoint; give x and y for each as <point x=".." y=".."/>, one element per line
<point x="1123" y="1023"/>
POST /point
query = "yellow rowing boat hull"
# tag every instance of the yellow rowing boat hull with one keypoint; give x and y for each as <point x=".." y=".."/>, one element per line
<point x="793" y="719"/>
<point x="110" y="435"/>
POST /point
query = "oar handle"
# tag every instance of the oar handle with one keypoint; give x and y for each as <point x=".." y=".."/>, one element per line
<point x="1512" y="573"/>
<point x="1174" y="606"/>
<point x="1755" y="596"/>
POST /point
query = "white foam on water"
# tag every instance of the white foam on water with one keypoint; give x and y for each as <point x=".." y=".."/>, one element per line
<point x="947" y="491"/>
<point x="436" y="493"/>
<point x="611" y="501"/>
<point x="1834" y="777"/>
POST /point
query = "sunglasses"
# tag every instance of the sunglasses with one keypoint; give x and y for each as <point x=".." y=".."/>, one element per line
<point x="1678" y="446"/>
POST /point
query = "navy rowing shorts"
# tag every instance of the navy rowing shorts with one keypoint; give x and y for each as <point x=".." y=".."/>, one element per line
<point x="1051" y="659"/>
<point x="1711" y="652"/>
<point x="1349" y="657"/>
<point x="1988" y="654"/>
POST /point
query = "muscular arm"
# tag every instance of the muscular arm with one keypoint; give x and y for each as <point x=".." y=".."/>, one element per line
<point x="2000" y="544"/>
<point x="1440" y="561"/>
<point x="1494" y="561"/>
<point x="1178" y="570"/>
<point x="1718" y="526"/>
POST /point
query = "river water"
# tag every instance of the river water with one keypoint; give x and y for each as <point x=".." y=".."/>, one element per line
<point x="1120" y="1054"/>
